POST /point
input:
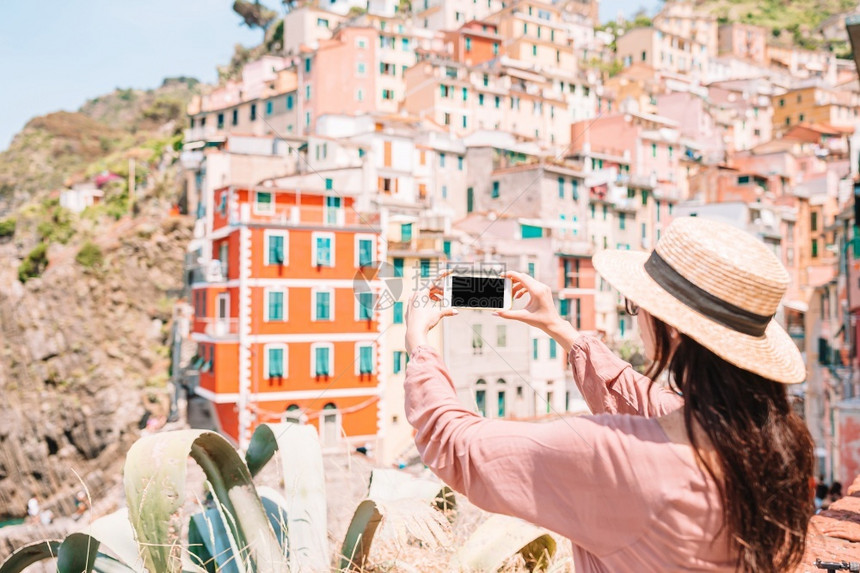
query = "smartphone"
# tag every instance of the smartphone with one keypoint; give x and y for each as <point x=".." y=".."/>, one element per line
<point x="477" y="291"/>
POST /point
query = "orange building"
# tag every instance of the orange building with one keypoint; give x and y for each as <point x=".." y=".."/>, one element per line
<point x="474" y="43"/>
<point x="281" y="332"/>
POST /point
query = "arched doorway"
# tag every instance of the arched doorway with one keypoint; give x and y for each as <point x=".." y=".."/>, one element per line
<point x="293" y="414"/>
<point x="330" y="425"/>
<point x="481" y="396"/>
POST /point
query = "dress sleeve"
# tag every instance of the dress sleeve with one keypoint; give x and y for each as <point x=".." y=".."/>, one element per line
<point x="610" y="385"/>
<point x="576" y="476"/>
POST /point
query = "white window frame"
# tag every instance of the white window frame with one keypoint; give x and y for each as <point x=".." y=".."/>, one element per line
<point x="256" y="205"/>
<point x="359" y="345"/>
<point x="267" y="234"/>
<point x="321" y="235"/>
<point x="275" y="345"/>
<point x="313" y="360"/>
<point x="357" y="306"/>
<point x="363" y="237"/>
<point x="338" y="426"/>
<point x="314" y="292"/>
<point x="266" y="292"/>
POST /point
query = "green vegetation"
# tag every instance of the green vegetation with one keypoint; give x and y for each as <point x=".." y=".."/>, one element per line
<point x="7" y="227"/>
<point x="57" y="224"/>
<point x="90" y="256"/>
<point x="34" y="263"/>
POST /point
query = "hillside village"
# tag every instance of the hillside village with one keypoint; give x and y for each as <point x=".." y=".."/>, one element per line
<point x="518" y="133"/>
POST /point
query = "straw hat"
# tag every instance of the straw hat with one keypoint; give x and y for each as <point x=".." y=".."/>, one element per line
<point x="718" y="285"/>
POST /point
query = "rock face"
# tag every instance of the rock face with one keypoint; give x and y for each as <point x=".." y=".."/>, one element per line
<point x="80" y="351"/>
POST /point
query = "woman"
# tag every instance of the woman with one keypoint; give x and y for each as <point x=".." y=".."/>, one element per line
<point x="651" y="481"/>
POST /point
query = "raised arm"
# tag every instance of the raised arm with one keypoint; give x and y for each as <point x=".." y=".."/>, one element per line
<point x="610" y="385"/>
<point x="575" y="476"/>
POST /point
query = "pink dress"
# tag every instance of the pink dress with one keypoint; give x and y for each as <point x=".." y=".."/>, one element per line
<point x="627" y="497"/>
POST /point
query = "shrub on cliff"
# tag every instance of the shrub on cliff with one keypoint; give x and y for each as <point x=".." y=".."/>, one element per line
<point x="7" y="227"/>
<point x="34" y="263"/>
<point x="90" y="256"/>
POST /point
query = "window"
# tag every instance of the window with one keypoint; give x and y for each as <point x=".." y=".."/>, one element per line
<point x="481" y="397"/>
<point x="361" y="68"/>
<point x="321" y="359"/>
<point x="534" y="49"/>
<point x="477" y="340"/>
<point x="446" y="248"/>
<point x="253" y="112"/>
<point x="553" y="348"/>
<point x="481" y="99"/>
<point x="644" y="55"/>
<point x="323" y="253"/>
<point x="500" y="398"/>
<point x="622" y="218"/>
<point x="388" y="94"/>
<point x="406" y="232"/>
<point x="459" y="163"/>
<point x="290" y="101"/>
<point x="322" y="303"/>
<point x="398" y="312"/>
<point x="470" y="199"/>
<point x="361" y="43"/>
<point x="468" y="44"/>
<point x="604" y="212"/>
<point x="263" y="202"/>
<point x="501" y="335"/>
<point x="220" y="121"/>
<point x="446" y="118"/>
<point x="465" y="122"/>
<point x="644" y="197"/>
<point x="329" y="184"/>
<point x="276" y="252"/>
<point x="397" y="362"/>
<point x="530" y="231"/>
<point x="398" y="266"/>
<point x="495" y="48"/>
<point x="425" y="268"/>
<point x="534" y="348"/>
<point x="495" y="192"/>
<point x="322" y="23"/>
<point x="531" y="268"/>
<point x="561" y="187"/>
<point x="813" y="221"/>
<point x="364" y="306"/>
<point x="498" y="102"/>
<point x="657" y="208"/>
<point x="653" y="150"/>
<point x="564" y="307"/>
<point x="308" y="92"/>
<point x="293" y="414"/>
<point x="574" y="184"/>
<point x="275" y="361"/>
<point x="275" y="305"/>
<point x="235" y="118"/>
<point x="441" y="160"/>
<point x="365" y="358"/>
<point x="365" y="252"/>
<point x="404" y="44"/>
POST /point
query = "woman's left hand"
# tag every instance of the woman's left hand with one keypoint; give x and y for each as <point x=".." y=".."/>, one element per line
<point x="424" y="312"/>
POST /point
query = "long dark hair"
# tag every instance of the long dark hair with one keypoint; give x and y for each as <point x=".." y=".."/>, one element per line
<point x="764" y="450"/>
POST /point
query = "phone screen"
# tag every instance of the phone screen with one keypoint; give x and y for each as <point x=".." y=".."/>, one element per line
<point x="477" y="291"/>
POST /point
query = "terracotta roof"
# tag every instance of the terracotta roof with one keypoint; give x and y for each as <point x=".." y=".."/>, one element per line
<point x="834" y="534"/>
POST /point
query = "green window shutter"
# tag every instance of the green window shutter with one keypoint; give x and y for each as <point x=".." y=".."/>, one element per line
<point x="470" y="200"/>
<point x="446" y="248"/>
<point x="425" y="268"/>
<point x="276" y="305"/>
<point x="495" y="193"/>
<point x="365" y="252"/>
<point x="322" y="359"/>
<point x="553" y="348"/>
<point x="564" y="307"/>
<point x="531" y="270"/>
<point x="530" y="232"/>
<point x="329" y="184"/>
<point x="323" y="251"/>
<point x="398" y="361"/>
<point x="323" y="310"/>
<point x="398" y="266"/>
<point x="481" y="401"/>
<point x="276" y="363"/>
<point x="365" y="305"/>
<point x="501" y="400"/>
<point x="264" y="199"/>
<point x="561" y="187"/>
<point x="365" y="359"/>
<point x="534" y="348"/>
<point x="398" y="312"/>
<point x="276" y="250"/>
<point x="406" y="232"/>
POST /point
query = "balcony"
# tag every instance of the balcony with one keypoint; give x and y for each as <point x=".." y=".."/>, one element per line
<point x="219" y="327"/>
<point x="208" y="271"/>
<point x="306" y="216"/>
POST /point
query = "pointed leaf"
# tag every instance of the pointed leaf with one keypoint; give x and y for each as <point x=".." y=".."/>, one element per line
<point x="25" y="556"/>
<point x="501" y="537"/>
<point x="304" y="488"/>
<point x="155" y="478"/>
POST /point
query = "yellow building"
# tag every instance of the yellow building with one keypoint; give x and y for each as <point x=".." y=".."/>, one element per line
<point x="814" y="105"/>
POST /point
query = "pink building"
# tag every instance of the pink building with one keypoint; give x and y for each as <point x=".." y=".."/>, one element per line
<point x="744" y="41"/>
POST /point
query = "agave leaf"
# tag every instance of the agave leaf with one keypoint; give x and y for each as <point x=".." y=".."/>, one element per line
<point x="276" y="509"/>
<point x="154" y="479"/>
<point x="209" y="541"/>
<point x="77" y="554"/>
<point x="114" y="533"/>
<point x="501" y="537"/>
<point x="391" y="484"/>
<point x="31" y="553"/>
<point x="304" y="486"/>
<point x="359" y="536"/>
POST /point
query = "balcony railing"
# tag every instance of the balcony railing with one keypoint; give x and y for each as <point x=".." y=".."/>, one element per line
<point x="209" y="271"/>
<point x="219" y="327"/>
<point x="289" y="215"/>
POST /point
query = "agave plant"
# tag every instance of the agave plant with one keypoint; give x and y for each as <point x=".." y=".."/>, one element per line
<point x="244" y="528"/>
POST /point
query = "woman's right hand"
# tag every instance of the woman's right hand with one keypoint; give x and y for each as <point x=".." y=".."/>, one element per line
<point x="540" y="309"/>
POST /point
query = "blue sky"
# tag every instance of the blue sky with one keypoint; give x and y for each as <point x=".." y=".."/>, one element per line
<point x="55" y="54"/>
